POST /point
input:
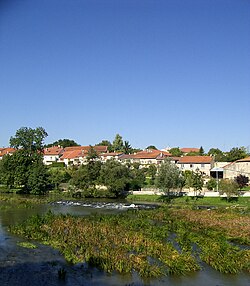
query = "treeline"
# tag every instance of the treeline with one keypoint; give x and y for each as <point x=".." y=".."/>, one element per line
<point x="236" y="153"/>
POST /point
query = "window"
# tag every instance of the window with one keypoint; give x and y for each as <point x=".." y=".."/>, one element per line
<point x="202" y="165"/>
<point x="191" y="165"/>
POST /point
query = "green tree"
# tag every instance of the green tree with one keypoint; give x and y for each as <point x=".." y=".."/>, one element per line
<point x="188" y="176"/>
<point x="117" y="143"/>
<point x="229" y="187"/>
<point x="169" y="177"/>
<point x="211" y="184"/>
<point x="236" y="154"/>
<point x="218" y="155"/>
<point x="116" y="177"/>
<point x="152" y="147"/>
<point x="151" y="173"/>
<point x="7" y="176"/>
<point x="58" y="176"/>
<point x="198" y="181"/>
<point x="28" y="171"/>
<point x="176" y="152"/>
<point x="86" y="176"/>
<point x="28" y="139"/>
<point x="201" y="151"/>
<point x="37" y="182"/>
<point x="138" y="177"/>
<point x="127" y="148"/>
<point x="63" y="143"/>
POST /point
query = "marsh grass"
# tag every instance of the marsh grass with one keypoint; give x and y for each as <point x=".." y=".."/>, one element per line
<point x="138" y="240"/>
<point x="26" y="244"/>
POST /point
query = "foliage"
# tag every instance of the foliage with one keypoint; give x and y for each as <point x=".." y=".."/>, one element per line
<point x="152" y="147"/>
<point x="198" y="181"/>
<point x="201" y="151"/>
<point x="25" y="168"/>
<point x="92" y="154"/>
<point x="211" y="184"/>
<point x="37" y="182"/>
<point x="169" y="177"/>
<point x="106" y="143"/>
<point x="115" y="176"/>
<point x="218" y="155"/>
<point x="151" y="173"/>
<point x="188" y="177"/>
<point x="28" y="139"/>
<point x="137" y="177"/>
<point x="242" y="181"/>
<point x="152" y="243"/>
<point x="63" y="143"/>
<point x="176" y="152"/>
<point x="193" y="153"/>
<point x="117" y="143"/>
<point x="127" y="148"/>
<point x="86" y="176"/>
<point x="58" y="176"/>
<point x="229" y="187"/>
<point x="236" y="154"/>
<point x="27" y="245"/>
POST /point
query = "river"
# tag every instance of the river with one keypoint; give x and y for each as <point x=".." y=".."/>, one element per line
<point x="40" y="266"/>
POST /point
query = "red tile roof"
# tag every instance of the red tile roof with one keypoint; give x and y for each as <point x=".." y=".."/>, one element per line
<point x="71" y="154"/>
<point x="7" y="150"/>
<point x="247" y="159"/>
<point x="99" y="149"/>
<point x="55" y="150"/>
<point x="187" y="150"/>
<point x="195" y="159"/>
<point x="147" y="154"/>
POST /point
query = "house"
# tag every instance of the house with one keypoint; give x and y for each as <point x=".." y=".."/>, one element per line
<point x="146" y="157"/>
<point x="85" y="149"/>
<point x="52" y="154"/>
<point x="112" y="155"/>
<point x="239" y="167"/>
<point x="73" y="157"/>
<point x="194" y="163"/>
<point x="77" y="155"/>
<point x="5" y="151"/>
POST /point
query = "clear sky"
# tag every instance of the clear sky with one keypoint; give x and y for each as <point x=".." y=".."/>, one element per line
<point x="158" y="72"/>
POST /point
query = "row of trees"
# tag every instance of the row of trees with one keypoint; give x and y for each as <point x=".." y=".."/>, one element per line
<point x="236" y="153"/>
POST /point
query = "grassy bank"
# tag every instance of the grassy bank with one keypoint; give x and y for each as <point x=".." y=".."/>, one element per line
<point x="185" y="200"/>
<point x="153" y="243"/>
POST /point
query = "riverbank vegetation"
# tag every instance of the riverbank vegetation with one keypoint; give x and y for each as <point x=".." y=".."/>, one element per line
<point x="153" y="243"/>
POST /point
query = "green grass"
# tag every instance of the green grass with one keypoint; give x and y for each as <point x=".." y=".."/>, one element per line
<point x="189" y="201"/>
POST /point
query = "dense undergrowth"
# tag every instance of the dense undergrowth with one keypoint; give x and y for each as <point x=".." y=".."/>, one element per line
<point x="153" y="243"/>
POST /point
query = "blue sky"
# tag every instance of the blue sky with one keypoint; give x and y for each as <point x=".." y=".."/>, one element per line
<point x="158" y="72"/>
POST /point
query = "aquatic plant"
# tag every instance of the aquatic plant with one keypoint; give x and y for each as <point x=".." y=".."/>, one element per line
<point x="27" y="244"/>
<point x="143" y="241"/>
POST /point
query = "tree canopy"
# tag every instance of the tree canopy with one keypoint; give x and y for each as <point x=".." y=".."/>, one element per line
<point x="175" y="151"/>
<point x="25" y="169"/>
<point x="28" y="139"/>
<point x="63" y="143"/>
<point x="169" y="177"/>
<point x="117" y="143"/>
